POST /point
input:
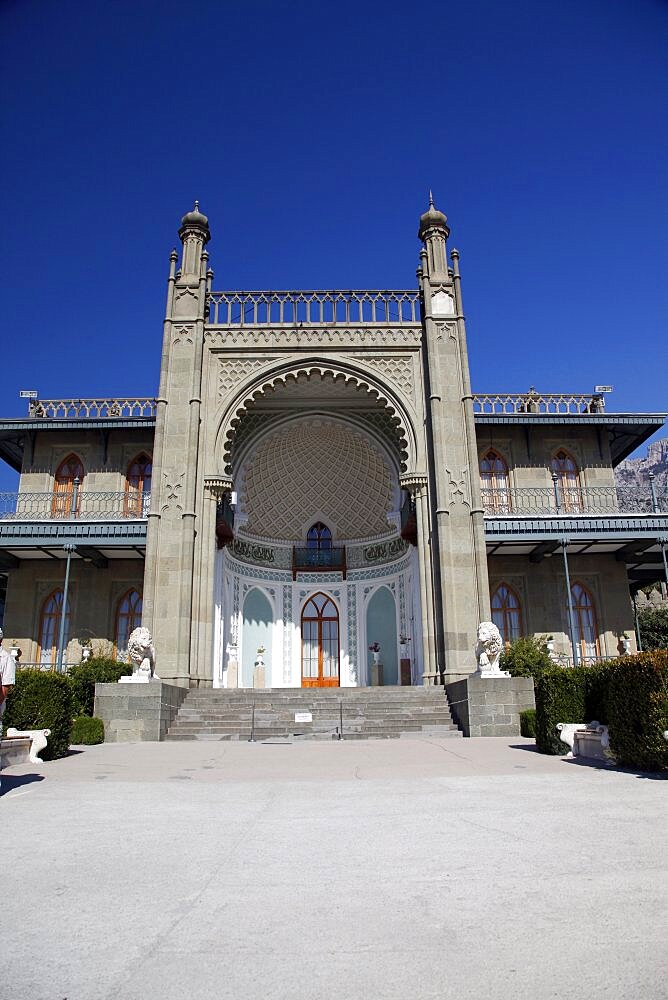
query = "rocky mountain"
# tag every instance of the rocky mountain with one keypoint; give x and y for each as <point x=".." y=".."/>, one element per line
<point x="635" y="471"/>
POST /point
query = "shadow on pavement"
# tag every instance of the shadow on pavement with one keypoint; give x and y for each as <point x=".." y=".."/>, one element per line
<point x="12" y="781"/>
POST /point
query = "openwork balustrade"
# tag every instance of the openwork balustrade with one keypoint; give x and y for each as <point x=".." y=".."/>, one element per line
<point x="534" y="402"/>
<point x="305" y="559"/>
<point x="308" y="308"/>
<point x="72" y="409"/>
<point x="83" y="506"/>
<point x="572" y="501"/>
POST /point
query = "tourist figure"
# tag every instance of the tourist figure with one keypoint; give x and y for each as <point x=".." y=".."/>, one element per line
<point x="7" y="677"/>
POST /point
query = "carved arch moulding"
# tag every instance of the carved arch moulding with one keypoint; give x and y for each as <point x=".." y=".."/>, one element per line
<point x="383" y="396"/>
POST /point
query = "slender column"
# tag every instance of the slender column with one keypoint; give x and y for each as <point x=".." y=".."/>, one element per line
<point x="417" y="486"/>
<point x="204" y="597"/>
<point x="569" y="597"/>
<point x="661" y="541"/>
<point x="69" y="548"/>
<point x="153" y="517"/>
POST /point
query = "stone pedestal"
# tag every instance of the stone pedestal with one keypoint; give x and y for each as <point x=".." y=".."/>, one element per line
<point x="258" y="675"/>
<point x="137" y="712"/>
<point x="376" y="675"/>
<point x="490" y="706"/>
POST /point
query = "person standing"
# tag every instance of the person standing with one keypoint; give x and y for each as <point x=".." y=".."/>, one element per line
<point x="7" y="678"/>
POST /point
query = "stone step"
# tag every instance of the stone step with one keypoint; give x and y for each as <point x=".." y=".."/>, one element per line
<point x="368" y="713"/>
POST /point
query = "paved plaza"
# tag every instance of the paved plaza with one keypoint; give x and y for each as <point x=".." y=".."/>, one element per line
<point x="379" y="869"/>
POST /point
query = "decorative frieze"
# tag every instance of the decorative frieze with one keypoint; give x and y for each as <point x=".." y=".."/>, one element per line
<point x="253" y="552"/>
<point x="384" y="551"/>
<point x="343" y="337"/>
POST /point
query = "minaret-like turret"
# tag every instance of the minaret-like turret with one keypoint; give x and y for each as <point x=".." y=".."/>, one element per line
<point x="434" y="233"/>
<point x="194" y="234"/>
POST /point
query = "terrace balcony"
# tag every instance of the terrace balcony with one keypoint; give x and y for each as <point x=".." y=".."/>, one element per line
<point x="573" y="501"/>
<point x="100" y="526"/>
<point x="628" y="524"/>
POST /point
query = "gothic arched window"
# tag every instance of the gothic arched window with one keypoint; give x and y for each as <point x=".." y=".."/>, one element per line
<point x="138" y="486"/>
<point x="584" y="622"/>
<point x="128" y="618"/>
<point x="49" y="628"/>
<point x="507" y="612"/>
<point x="319" y="537"/>
<point x="64" y="502"/>
<point x="566" y="470"/>
<point x="495" y="483"/>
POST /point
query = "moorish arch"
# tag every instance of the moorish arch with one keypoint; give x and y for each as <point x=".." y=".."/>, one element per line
<point x="302" y="386"/>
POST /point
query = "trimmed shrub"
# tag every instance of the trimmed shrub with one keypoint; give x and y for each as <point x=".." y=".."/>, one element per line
<point x="526" y="657"/>
<point x="528" y="722"/>
<point x="42" y="700"/>
<point x="638" y="710"/>
<point x="87" y="730"/>
<point x="568" y="695"/>
<point x="653" y="628"/>
<point x="84" y="676"/>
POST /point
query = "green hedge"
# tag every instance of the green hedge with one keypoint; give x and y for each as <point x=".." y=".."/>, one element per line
<point x="87" y="731"/>
<point x="568" y="695"/>
<point x="42" y="700"/>
<point x="638" y="710"/>
<point x="526" y="657"/>
<point x="528" y="722"/>
<point x="84" y="676"/>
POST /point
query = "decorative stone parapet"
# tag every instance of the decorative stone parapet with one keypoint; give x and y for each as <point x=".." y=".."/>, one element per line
<point x="484" y="706"/>
<point x="134" y="713"/>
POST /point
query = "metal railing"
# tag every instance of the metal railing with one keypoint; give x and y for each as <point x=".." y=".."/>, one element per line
<point x="535" y="402"/>
<point x="72" y="409"/>
<point x="80" y="506"/>
<point x="314" y="308"/>
<point x="593" y="500"/>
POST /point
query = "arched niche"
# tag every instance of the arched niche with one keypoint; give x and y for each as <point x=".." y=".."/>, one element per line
<point x="381" y="627"/>
<point x="258" y="619"/>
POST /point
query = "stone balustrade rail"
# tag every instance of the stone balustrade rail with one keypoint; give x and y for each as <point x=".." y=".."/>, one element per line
<point x="73" y="409"/>
<point x="314" y="308"/>
<point x="534" y="402"/>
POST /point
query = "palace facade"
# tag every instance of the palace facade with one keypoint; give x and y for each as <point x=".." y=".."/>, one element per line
<point x="316" y="477"/>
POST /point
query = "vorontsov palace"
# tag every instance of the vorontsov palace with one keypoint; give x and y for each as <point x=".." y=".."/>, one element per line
<point x="315" y="476"/>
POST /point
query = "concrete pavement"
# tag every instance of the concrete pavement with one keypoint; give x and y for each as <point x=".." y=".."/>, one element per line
<point x="381" y="869"/>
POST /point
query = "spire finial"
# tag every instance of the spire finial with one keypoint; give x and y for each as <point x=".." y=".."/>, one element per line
<point x="431" y="199"/>
<point x="196" y="205"/>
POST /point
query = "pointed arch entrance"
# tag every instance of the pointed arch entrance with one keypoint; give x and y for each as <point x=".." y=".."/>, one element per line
<point x="320" y="642"/>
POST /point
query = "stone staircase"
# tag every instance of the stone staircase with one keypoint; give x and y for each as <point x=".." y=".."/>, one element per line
<point x="357" y="713"/>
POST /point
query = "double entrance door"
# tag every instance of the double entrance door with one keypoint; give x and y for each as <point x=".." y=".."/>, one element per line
<point x="320" y="642"/>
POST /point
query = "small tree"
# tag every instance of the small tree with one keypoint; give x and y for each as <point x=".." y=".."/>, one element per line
<point x="526" y="657"/>
<point x="653" y="627"/>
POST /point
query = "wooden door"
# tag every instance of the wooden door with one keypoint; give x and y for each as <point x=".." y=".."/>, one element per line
<point x="320" y="643"/>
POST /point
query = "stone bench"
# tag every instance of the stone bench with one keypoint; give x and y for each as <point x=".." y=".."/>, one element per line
<point x="37" y="738"/>
<point x="586" y="739"/>
<point x="14" y="750"/>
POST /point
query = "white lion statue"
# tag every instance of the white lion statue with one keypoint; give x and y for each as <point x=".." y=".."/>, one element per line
<point x="488" y="649"/>
<point x="142" y="654"/>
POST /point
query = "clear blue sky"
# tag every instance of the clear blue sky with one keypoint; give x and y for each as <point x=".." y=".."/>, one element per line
<point x="311" y="134"/>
